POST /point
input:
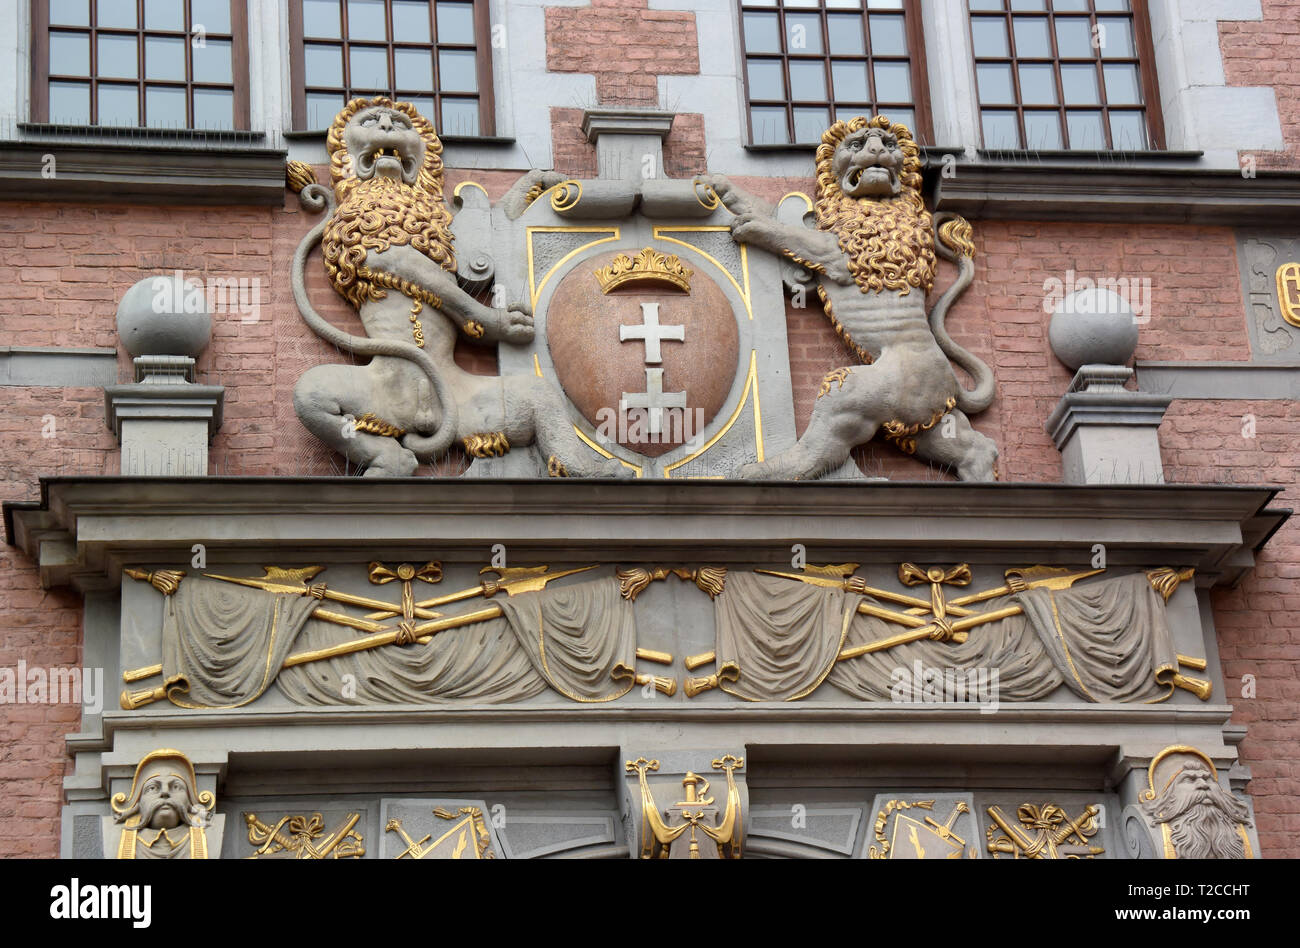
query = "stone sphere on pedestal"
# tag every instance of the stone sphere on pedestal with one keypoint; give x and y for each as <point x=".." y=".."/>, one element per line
<point x="164" y="315"/>
<point x="1093" y="326"/>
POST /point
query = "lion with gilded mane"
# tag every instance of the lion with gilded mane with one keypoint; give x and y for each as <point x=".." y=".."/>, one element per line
<point x="388" y="249"/>
<point x="873" y="253"/>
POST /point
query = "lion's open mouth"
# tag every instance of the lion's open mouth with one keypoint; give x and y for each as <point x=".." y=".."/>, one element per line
<point x="855" y="175"/>
<point x="390" y="161"/>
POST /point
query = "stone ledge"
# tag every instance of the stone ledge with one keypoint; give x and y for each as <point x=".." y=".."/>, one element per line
<point x="1220" y="380"/>
<point x="142" y="173"/>
<point x="317" y="136"/>
<point x="57" y="366"/>
<point x="1138" y="409"/>
<point x="1086" y="737"/>
<point x="597" y="122"/>
<point x="142" y="401"/>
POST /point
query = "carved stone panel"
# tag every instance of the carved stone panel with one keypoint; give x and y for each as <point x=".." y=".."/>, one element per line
<point x="533" y="834"/>
<point x="265" y="832"/>
<point x="909" y="824"/>
<point x="681" y="804"/>
<point x="1270" y="277"/>
<point x="437" y="829"/>
<point x="825" y="826"/>
<point x="1049" y="824"/>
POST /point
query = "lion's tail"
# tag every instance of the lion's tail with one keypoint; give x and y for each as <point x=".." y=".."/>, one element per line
<point x="314" y="197"/>
<point x="956" y="246"/>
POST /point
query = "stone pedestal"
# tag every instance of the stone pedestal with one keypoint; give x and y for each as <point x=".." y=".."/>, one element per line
<point x="164" y="420"/>
<point x="1106" y="433"/>
<point x="629" y="142"/>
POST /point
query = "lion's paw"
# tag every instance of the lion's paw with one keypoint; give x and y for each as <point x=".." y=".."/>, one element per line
<point x="398" y="462"/>
<point x="755" y="471"/>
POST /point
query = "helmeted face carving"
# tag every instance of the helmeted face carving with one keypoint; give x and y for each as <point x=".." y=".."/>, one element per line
<point x="163" y="794"/>
<point x="164" y="798"/>
<point x="868" y="163"/>
<point x="383" y="143"/>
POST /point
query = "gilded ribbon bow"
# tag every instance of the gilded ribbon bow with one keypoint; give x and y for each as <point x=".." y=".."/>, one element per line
<point x="1048" y="818"/>
<point x="430" y="573"/>
<point x="306" y="828"/>
<point x="909" y="574"/>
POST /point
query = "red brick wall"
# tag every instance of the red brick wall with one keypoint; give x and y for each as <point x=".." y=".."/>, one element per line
<point x="1258" y="623"/>
<point x="42" y="628"/>
<point x="1265" y="53"/>
<point x="624" y="45"/>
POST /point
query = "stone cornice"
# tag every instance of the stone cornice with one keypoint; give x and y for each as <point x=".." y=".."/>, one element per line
<point x="83" y="531"/>
<point x="611" y="121"/>
<point x="220" y="173"/>
<point x="1118" y="192"/>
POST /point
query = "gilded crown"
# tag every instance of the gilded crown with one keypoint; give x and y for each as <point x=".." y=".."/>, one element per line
<point x="648" y="266"/>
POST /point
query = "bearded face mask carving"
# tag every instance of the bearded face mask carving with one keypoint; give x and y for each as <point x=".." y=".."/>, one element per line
<point x="1202" y="820"/>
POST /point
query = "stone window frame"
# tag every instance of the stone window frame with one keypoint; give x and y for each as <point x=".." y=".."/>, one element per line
<point x="41" y="76"/>
<point x="482" y="46"/>
<point x="915" y="56"/>
<point x="1144" y="59"/>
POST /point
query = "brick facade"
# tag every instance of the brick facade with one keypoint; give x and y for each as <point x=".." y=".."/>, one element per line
<point x="625" y="45"/>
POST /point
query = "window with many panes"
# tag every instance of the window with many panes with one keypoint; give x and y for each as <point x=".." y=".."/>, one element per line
<point x="1065" y="74"/>
<point x="435" y="54"/>
<point x="147" y="63"/>
<point x="810" y="62"/>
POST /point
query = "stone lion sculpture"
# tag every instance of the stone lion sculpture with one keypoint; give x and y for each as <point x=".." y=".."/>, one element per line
<point x="873" y="253"/>
<point x="387" y="244"/>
